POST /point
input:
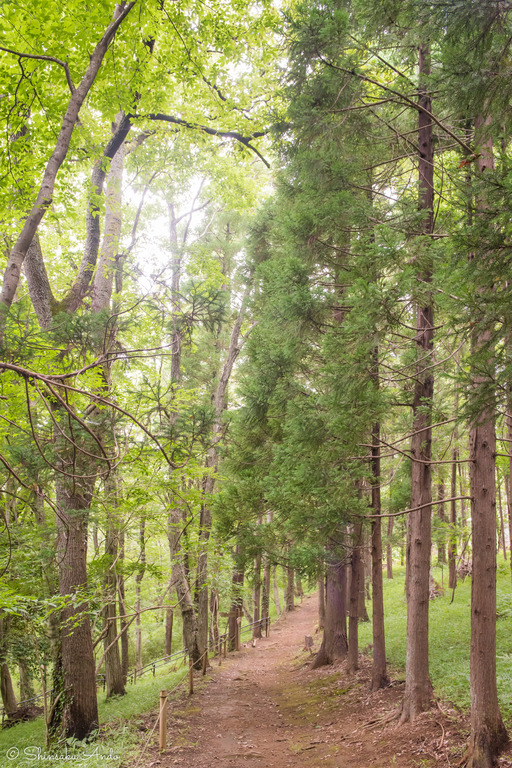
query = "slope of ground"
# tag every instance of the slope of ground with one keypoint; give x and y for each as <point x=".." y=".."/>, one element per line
<point x="264" y="706"/>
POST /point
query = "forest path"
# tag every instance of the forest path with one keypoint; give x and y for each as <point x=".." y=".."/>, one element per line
<point x="238" y="716"/>
<point x="265" y="707"/>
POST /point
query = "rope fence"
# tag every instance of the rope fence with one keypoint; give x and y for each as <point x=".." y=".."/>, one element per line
<point x="218" y="646"/>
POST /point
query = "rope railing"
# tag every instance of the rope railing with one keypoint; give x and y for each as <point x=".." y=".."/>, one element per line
<point x="162" y="715"/>
<point x="264" y="625"/>
<point x="134" y="675"/>
<point x="100" y="680"/>
<point x="215" y="645"/>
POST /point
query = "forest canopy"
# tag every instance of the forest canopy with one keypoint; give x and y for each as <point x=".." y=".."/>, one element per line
<point x="255" y="303"/>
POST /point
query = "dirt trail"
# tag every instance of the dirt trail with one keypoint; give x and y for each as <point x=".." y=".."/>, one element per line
<point x="265" y="707"/>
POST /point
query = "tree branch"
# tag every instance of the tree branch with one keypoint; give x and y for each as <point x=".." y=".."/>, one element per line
<point x="245" y="140"/>
<point x="41" y="57"/>
<point x="45" y="193"/>
<point x="402" y="97"/>
<point x="79" y="288"/>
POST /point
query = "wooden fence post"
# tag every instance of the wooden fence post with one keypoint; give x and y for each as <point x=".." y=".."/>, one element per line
<point x="163" y="720"/>
<point x="238" y="633"/>
<point x="205" y="661"/>
<point x="190" y="676"/>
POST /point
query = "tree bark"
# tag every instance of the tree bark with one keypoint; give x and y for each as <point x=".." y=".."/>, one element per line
<point x="113" y="666"/>
<point x="389" y="548"/>
<point x="169" y="621"/>
<point x="488" y="734"/>
<point x="138" y="581"/>
<point x="321" y="601"/>
<point x="256" y="631"/>
<point x="277" y="600"/>
<point x="214" y="619"/>
<point x="379" y="672"/>
<point x="265" y="600"/>
<point x="290" y="588"/>
<point x="441" y="536"/>
<point x="107" y="262"/>
<point x="334" y="643"/>
<point x="122" y="613"/>
<point x="26" y="686"/>
<point x="366" y="576"/>
<point x="38" y="284"/>
<point x="356" y="566"/>
<point x="502" y="521"/>
<point x="179" y="580"/>
<point x="235" y="613"/>
<point x="79" y="715"/>
<point x="452" y="541"/>
<point x="6" y="687"/>
<point x="418" y="689"/>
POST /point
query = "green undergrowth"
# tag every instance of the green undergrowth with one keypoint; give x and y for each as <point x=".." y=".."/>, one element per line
<point x="120" y="718"/>
<point x="449" y="635"/>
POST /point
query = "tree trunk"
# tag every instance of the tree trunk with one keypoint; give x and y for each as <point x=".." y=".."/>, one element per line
<point x="79" y="715"/>
<point x="366" y="577"/>
<point x="256" y="630"/>
<point x="179" y="580"/>
<point x="290" y="589"/>
<point x="6" y="687"/>
<point x="214" y="619"/>
<point x="113" y="667"/>
<point x="356" y="566"/>
<point x="76" y="713"/>
<point x="502" y="521"/>
<point x="389" y="548"/>
<point x="169" y="621"/>
<point x="321" y="601"/>
<point x="463" y="492"/>
<point x="235" y="613"/>
<point x="201" y="587"/>
<point x="441" y="535"/>
<point x="418" y="689"/>
<point x="8" y="697"/>
<point x="265" y="600"/>
<point x="452" y="542"/>
<point x="379" y="673"/>
<point x="26" y="686"/>
<point x="334" y="643"/>
<point x="488" y="734"/>
<point x="212" y="461"/>
<point x="122" y="613"/>
<point x="277" y="601"/>
<point x="138" y="581"/>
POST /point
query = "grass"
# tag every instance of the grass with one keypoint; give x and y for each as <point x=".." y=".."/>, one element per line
<point x="449" y="668"/>
<point x="449" y="635"/>
<point x="119" y="718"/>
<point x="24" y="744"/>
